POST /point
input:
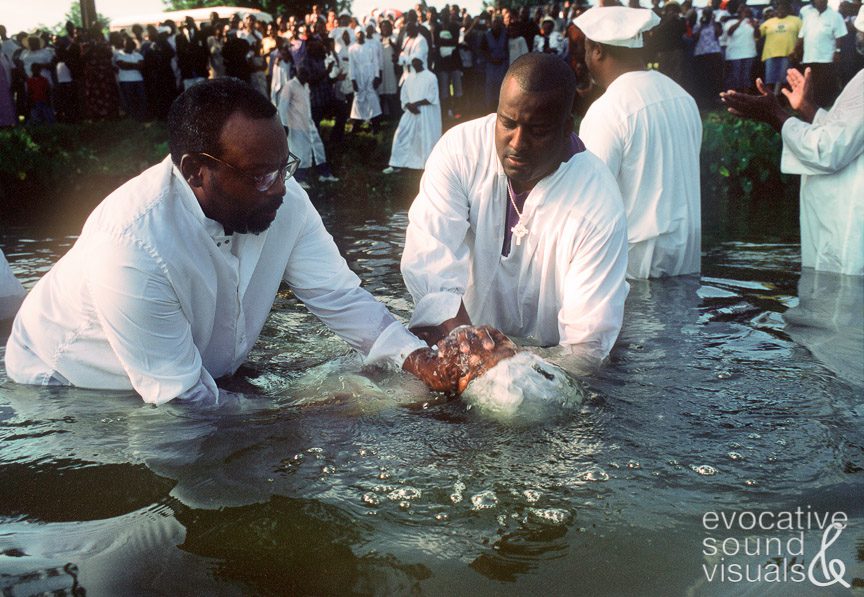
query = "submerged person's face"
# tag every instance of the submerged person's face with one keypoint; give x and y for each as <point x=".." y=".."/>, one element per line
<point x="530" y="132"/>
<point x="253" y="146"/>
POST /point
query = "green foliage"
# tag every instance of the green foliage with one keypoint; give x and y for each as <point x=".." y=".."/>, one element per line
<point x="75" y="163"/>
<point x="740" y="157"/>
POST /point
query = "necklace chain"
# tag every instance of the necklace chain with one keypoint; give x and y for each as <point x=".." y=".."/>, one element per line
<point x="519" y="230"/>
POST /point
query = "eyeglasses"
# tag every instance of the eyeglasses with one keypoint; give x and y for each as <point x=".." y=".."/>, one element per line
<point x="263" y="182"/>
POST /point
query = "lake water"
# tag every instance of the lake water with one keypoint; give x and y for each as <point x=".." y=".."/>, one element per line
<point x="738" y="393"/>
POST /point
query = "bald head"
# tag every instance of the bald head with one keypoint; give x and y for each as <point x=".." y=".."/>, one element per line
<point x="540" y="73"/>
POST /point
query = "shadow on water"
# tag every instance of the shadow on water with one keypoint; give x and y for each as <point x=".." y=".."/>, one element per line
<point x="740" y="389"/>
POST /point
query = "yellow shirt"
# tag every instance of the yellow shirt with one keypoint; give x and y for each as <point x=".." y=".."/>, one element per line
<point x="780" y="36"/>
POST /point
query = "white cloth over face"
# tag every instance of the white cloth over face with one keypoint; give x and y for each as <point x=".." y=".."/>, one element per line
<point x="154" y="297"/>
<point x="11" y="291"/>
<point x="363" y="67"/>
<point x="564" y="284"/>
<point x="417" y="134"/>
<point x="295" y="112"/>
<point x="829" y="155"/>
<point x="647" y="129"/>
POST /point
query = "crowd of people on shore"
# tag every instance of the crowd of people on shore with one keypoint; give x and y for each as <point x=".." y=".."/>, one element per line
<point x="138" y="72"/>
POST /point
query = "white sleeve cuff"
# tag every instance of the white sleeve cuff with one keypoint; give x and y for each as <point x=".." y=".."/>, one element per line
<point x="435" y="308"/>
<point x="394" y="345"/>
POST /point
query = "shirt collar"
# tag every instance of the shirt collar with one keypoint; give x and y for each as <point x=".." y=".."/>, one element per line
<point x="184" y="193"/>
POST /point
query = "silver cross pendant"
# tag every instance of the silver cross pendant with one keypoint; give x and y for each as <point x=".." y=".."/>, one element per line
<point x="519" y="231"/>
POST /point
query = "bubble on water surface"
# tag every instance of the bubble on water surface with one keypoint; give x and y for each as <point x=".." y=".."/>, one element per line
<point x="550" y="516"/>
<point x="532" y="495"/>
<point x="705" y="470"/>
<point x="484" y="499"/>
<point x="404" y="493"/>
<point x="735" y="456"/>
<point x="371" y="499"/>
<point x="596" y="474"/>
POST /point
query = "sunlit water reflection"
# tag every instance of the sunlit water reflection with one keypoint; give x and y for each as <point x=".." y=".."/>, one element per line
<point x="727" y="392"/>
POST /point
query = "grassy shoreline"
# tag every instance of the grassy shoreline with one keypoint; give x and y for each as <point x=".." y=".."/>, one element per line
<point x="51" y="178"/>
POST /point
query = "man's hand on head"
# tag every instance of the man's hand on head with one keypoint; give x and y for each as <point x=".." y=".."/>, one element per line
<point x="466" y="353"/>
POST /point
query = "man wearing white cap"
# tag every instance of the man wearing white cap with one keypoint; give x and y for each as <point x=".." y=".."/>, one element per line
<point x="517" y="226"/>
<point x="827" y="149"/>
<point x="647" y="129"/>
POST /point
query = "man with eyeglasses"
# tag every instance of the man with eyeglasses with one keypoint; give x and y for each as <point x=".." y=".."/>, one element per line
<point x="174" y="274"/>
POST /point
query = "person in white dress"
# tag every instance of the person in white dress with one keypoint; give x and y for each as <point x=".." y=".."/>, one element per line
<point x="420" y="126"/>
<point x="364" y="70"/>
<point x="304" y="141"/>
<point x="517" y="226"/>
<point x="648" y="131"/>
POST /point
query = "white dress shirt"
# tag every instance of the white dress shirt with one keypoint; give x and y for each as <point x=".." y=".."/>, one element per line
<point x="155" y="297"/>
<point x="564" y="284"/>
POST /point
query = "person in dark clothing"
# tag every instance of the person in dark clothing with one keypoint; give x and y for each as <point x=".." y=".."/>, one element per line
<point x="235" y="54"/>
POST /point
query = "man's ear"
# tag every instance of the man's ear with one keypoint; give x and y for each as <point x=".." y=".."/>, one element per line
<point x="192" y="168"/>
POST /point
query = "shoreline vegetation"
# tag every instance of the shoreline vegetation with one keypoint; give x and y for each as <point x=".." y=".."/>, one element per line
<point x="52" y="177"/>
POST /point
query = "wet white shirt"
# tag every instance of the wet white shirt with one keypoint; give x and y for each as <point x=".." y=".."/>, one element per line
<point x="417" y="134"/>
<point x="564" y="284"/>
<point x="829" y="155"/>
<point x="11" y="291"/>
<point x="647" y="129"/>
<point x="155" y="297"/>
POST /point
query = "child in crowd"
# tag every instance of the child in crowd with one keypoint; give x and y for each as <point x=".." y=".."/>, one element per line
<point x="39" y="94"/>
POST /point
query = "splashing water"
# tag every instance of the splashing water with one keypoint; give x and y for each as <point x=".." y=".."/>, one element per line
<point x="526" y="386"/>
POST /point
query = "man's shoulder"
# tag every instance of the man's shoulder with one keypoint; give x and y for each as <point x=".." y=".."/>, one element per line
<point x="135" y="205"/>
<point x="468" y="141"/>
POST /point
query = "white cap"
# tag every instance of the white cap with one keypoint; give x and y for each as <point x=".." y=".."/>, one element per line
<point x="617" y="25"/>
<point x="859" y="20"/>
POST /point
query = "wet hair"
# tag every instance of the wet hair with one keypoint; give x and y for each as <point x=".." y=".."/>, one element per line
<point x="536" y="72"/>
<point x="199" y="114"/>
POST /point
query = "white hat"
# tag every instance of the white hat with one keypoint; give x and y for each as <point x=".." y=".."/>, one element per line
<point x="617" y="25"/>
<point x="859" y="20"/>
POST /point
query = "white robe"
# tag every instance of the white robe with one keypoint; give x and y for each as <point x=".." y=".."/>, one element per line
<point x="281" y="76"/>
<point x="647" y="129"/>
<point x="413" y="47"/>
<point x="295" y="112"/>
<point x="363" y="67"/>
<point x="11" y="291"/>
<point x="829" y="154"/>
<point x="564" y="284"/>
<point x="153" y="296"/>
<point x="417" y="134"/>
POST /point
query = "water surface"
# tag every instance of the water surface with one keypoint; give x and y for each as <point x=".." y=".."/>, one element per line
<point x="737" y="390"/>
